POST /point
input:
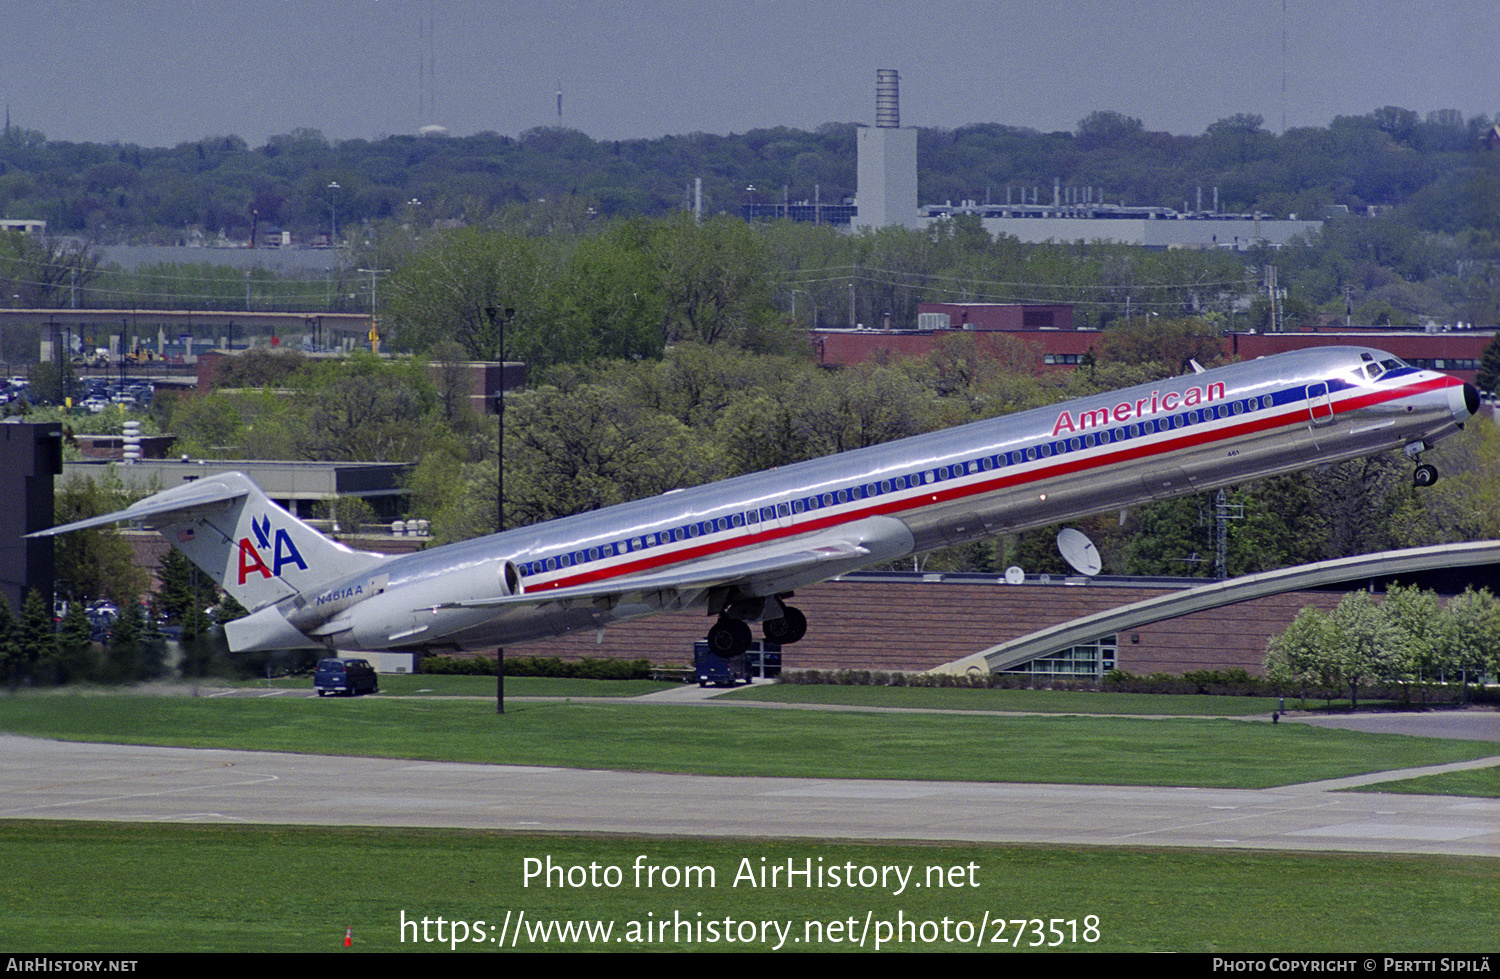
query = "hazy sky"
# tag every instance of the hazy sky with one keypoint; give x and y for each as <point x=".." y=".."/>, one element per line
<point x="160" y="72"/>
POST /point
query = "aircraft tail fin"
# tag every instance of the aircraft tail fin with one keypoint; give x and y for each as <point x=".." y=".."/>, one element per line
<point x="253" y="548"/>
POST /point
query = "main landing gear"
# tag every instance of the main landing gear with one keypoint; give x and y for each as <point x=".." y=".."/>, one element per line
<point x="731" y="637"/>
<point x="786" y="630"/>
<point x="728" y="637"/>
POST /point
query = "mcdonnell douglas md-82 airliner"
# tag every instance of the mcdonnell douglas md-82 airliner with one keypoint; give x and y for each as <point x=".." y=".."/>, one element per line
<point x="738" y="549"/>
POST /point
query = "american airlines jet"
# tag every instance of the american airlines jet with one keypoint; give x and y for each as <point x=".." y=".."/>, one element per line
<point x="738" y="549"/>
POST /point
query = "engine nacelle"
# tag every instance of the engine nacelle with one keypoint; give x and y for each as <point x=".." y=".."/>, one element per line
<point x="510" y="578"/>
<point x="416" y="612"/>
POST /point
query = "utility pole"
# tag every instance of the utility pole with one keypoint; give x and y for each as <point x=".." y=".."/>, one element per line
<point x="374" y="326"/>
<point x="1223" y="513"/>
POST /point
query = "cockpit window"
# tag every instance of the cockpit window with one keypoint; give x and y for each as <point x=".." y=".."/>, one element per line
<point x="1375" y="371"/>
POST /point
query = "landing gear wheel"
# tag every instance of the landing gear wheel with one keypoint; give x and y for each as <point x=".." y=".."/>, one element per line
<point x="1425" y="475"/>
<point x="786" y="630"/>
<point x="728" y="637"/>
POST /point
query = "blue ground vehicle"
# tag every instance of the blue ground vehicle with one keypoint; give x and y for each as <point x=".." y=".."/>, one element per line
<point x="762" y="659"/>
<point x="346" y="676"/>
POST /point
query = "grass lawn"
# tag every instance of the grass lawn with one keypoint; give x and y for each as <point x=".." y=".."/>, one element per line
<point x="1479" y="783"/>
<point x="747" y="741"/>
<point x="425" y="685"/>
<point x="187" y="888"/>
<point x="81" y="887"/>
<point x="1028" y="701"/>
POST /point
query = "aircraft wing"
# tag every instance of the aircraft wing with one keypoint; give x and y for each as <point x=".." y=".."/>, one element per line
<point x="764" y="570"/>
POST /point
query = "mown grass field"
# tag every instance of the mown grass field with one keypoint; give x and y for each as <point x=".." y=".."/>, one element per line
<point x="745" y="741"/>
<point x="77" y="887"/>
<point x="420" y="685"/>
<point x="82" y="887"/>
<point x="1026" y="701"/>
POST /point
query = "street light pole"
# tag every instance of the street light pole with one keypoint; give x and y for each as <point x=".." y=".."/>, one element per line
<point x="500" y="502"/>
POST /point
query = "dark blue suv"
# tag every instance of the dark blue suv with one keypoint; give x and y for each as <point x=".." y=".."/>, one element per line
<point x="346" y="676"/>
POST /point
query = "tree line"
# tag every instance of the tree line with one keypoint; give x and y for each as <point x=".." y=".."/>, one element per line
<point x="306" y="183"/>
<point x="1409" y="640"/>
<point x="113" y="629"/>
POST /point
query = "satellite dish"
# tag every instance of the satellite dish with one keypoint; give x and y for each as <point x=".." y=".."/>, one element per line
<point x="1079" y="551"/>
<point x="1014" y="575"/>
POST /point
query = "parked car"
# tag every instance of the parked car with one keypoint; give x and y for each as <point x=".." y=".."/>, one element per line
<point x="346" y="676"/>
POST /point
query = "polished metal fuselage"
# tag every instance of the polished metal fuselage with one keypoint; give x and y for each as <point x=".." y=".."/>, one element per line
<point x="1035" y="468"/>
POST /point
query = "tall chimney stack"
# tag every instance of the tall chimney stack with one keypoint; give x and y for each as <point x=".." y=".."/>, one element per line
<point x="887" y="98"/>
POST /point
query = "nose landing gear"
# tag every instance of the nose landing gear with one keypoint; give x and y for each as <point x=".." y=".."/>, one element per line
<point x="1425" y="475"/>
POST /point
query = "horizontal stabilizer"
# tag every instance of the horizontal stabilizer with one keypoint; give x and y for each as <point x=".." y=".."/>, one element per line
<point x="193" y="496"/>
<point x="249" y="546"/>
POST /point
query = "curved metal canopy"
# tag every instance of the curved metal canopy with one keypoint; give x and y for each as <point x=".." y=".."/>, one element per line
<point x="1219" y="593"/>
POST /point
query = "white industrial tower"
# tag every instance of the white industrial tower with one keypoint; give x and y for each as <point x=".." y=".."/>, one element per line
<point x="887" y="169"/>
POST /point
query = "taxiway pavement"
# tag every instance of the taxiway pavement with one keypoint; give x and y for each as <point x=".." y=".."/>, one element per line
<point x="64" y="780"/>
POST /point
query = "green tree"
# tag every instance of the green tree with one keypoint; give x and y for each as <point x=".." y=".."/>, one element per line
<point x="45" y="272"/>
<point x="97" y="563"/>
<point x="1296" y="659"/>
<point x="362" y="408"/>
<point x="1106" y="127"/>
<point x="1416" y="621"/>
<point x="715" y="282"/>
<point x="1489" y="366"/>
<point x="1359" y="500"/>
<point x="184" y="593"/>
<point x="1172" y="344"/>
<point x="1280" y="524"/>
<point x="1172" y="537"/>
<point x="210" y="426"/>
<point x="11" y="659"/>
<point x="592" y="447"/>
<point x="259" y="367"/>
<point x="1465" y="503"/>
<point x="124" y="656"/>
<point x="856" y="408"/>
<point x="136" y="649"/>
<point x="37" y="638"/>
<point x="76" y="653"/>
<point x="1363" y="645"/>
<point x="470" y="286"/>
<point x="1471" y="635"/>
<point x="454" y="386"/>
<point x="455" y="486"/>
<point x="606" y="303"/>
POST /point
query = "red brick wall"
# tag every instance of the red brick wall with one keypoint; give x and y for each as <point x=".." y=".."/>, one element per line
<point x="918" y="625"/>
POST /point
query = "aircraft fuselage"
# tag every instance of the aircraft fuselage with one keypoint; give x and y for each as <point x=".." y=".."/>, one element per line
<point x="738" y="548"/>
<point x="1104" y="452"/>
